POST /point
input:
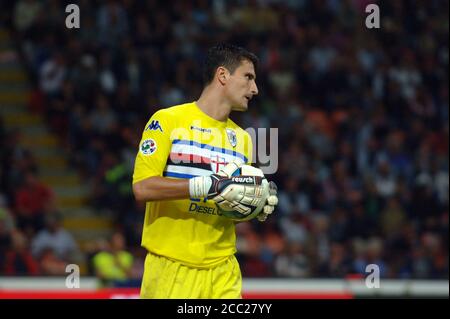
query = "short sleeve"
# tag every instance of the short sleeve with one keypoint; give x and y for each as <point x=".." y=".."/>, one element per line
<point x="154" y="147"/>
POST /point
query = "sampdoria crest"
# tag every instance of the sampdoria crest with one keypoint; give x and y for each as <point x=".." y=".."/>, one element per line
<point x="232" y="137"/>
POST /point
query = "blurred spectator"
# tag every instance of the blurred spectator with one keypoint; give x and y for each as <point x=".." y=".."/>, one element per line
<point x="424" y="203"/>
<point x="292" y="262"/>
<point x="52" y="74"/>
<point x="339" y="263"/>
<point x="19" y="261"/>
<point x="6" y="218"/>
<point x="50" y="264"/>
<point x="291" y="201"/>
<point x="114" y="264"/>
<point x="25" y="13"/>
<point x="294" y="229"/>
<point x="385" y="180"/>
<point x="112" y="23"/>
<point x="102" y="118"/>
<point x="6" y="228"/>
<point x="54" y="237"/>
<point x="392" y="218"/>
<point x="15" y="161"/>
<point x="33" y="201"/>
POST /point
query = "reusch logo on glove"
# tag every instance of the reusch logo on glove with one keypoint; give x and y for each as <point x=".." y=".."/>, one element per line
<point x="247" y="179"/>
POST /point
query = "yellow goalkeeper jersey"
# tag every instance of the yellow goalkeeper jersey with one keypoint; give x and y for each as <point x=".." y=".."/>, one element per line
<point x="183" y="142"/>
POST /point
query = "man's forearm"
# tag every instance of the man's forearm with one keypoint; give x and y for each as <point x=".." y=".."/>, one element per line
<point x="161" y="188"/>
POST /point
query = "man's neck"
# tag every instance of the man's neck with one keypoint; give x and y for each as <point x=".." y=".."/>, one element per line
<point x="213" y="105"/>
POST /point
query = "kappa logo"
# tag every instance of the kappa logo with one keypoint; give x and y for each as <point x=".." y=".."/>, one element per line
<point x="148" y="147"/>
<point x="153" y="126"/>
<point x="247" y="179"/>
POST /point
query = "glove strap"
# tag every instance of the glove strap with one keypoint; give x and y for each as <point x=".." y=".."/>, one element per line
<point x="199" y="186"/>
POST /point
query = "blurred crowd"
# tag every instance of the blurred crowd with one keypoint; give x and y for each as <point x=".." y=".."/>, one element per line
<point x="362" y="116"/>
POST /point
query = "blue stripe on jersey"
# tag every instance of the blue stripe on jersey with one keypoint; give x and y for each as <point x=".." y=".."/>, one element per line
<point x="172" y="174"/>
<point x="212" y="148"/>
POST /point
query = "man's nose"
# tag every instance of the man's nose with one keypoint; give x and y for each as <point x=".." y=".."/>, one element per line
<point x="254" y="89"/>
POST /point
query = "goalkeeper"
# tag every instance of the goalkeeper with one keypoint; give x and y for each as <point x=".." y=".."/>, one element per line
<point x="184" y="163"/>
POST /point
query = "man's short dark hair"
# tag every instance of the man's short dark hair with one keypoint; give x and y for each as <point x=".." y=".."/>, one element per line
<point x="227" y="55"/>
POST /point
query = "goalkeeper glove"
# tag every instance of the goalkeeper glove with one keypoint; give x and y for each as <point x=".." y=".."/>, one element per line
<point x="246" y="190"/>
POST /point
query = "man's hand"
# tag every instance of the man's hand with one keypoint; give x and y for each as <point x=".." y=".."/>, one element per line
<point x="271" y="202"/>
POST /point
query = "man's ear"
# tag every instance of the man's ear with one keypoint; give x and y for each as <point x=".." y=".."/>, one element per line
<point x="222" y="74"/>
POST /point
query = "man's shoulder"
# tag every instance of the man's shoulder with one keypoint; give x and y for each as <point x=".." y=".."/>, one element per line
<point x="174" y="111"/>
<point x="167" y="118"/>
